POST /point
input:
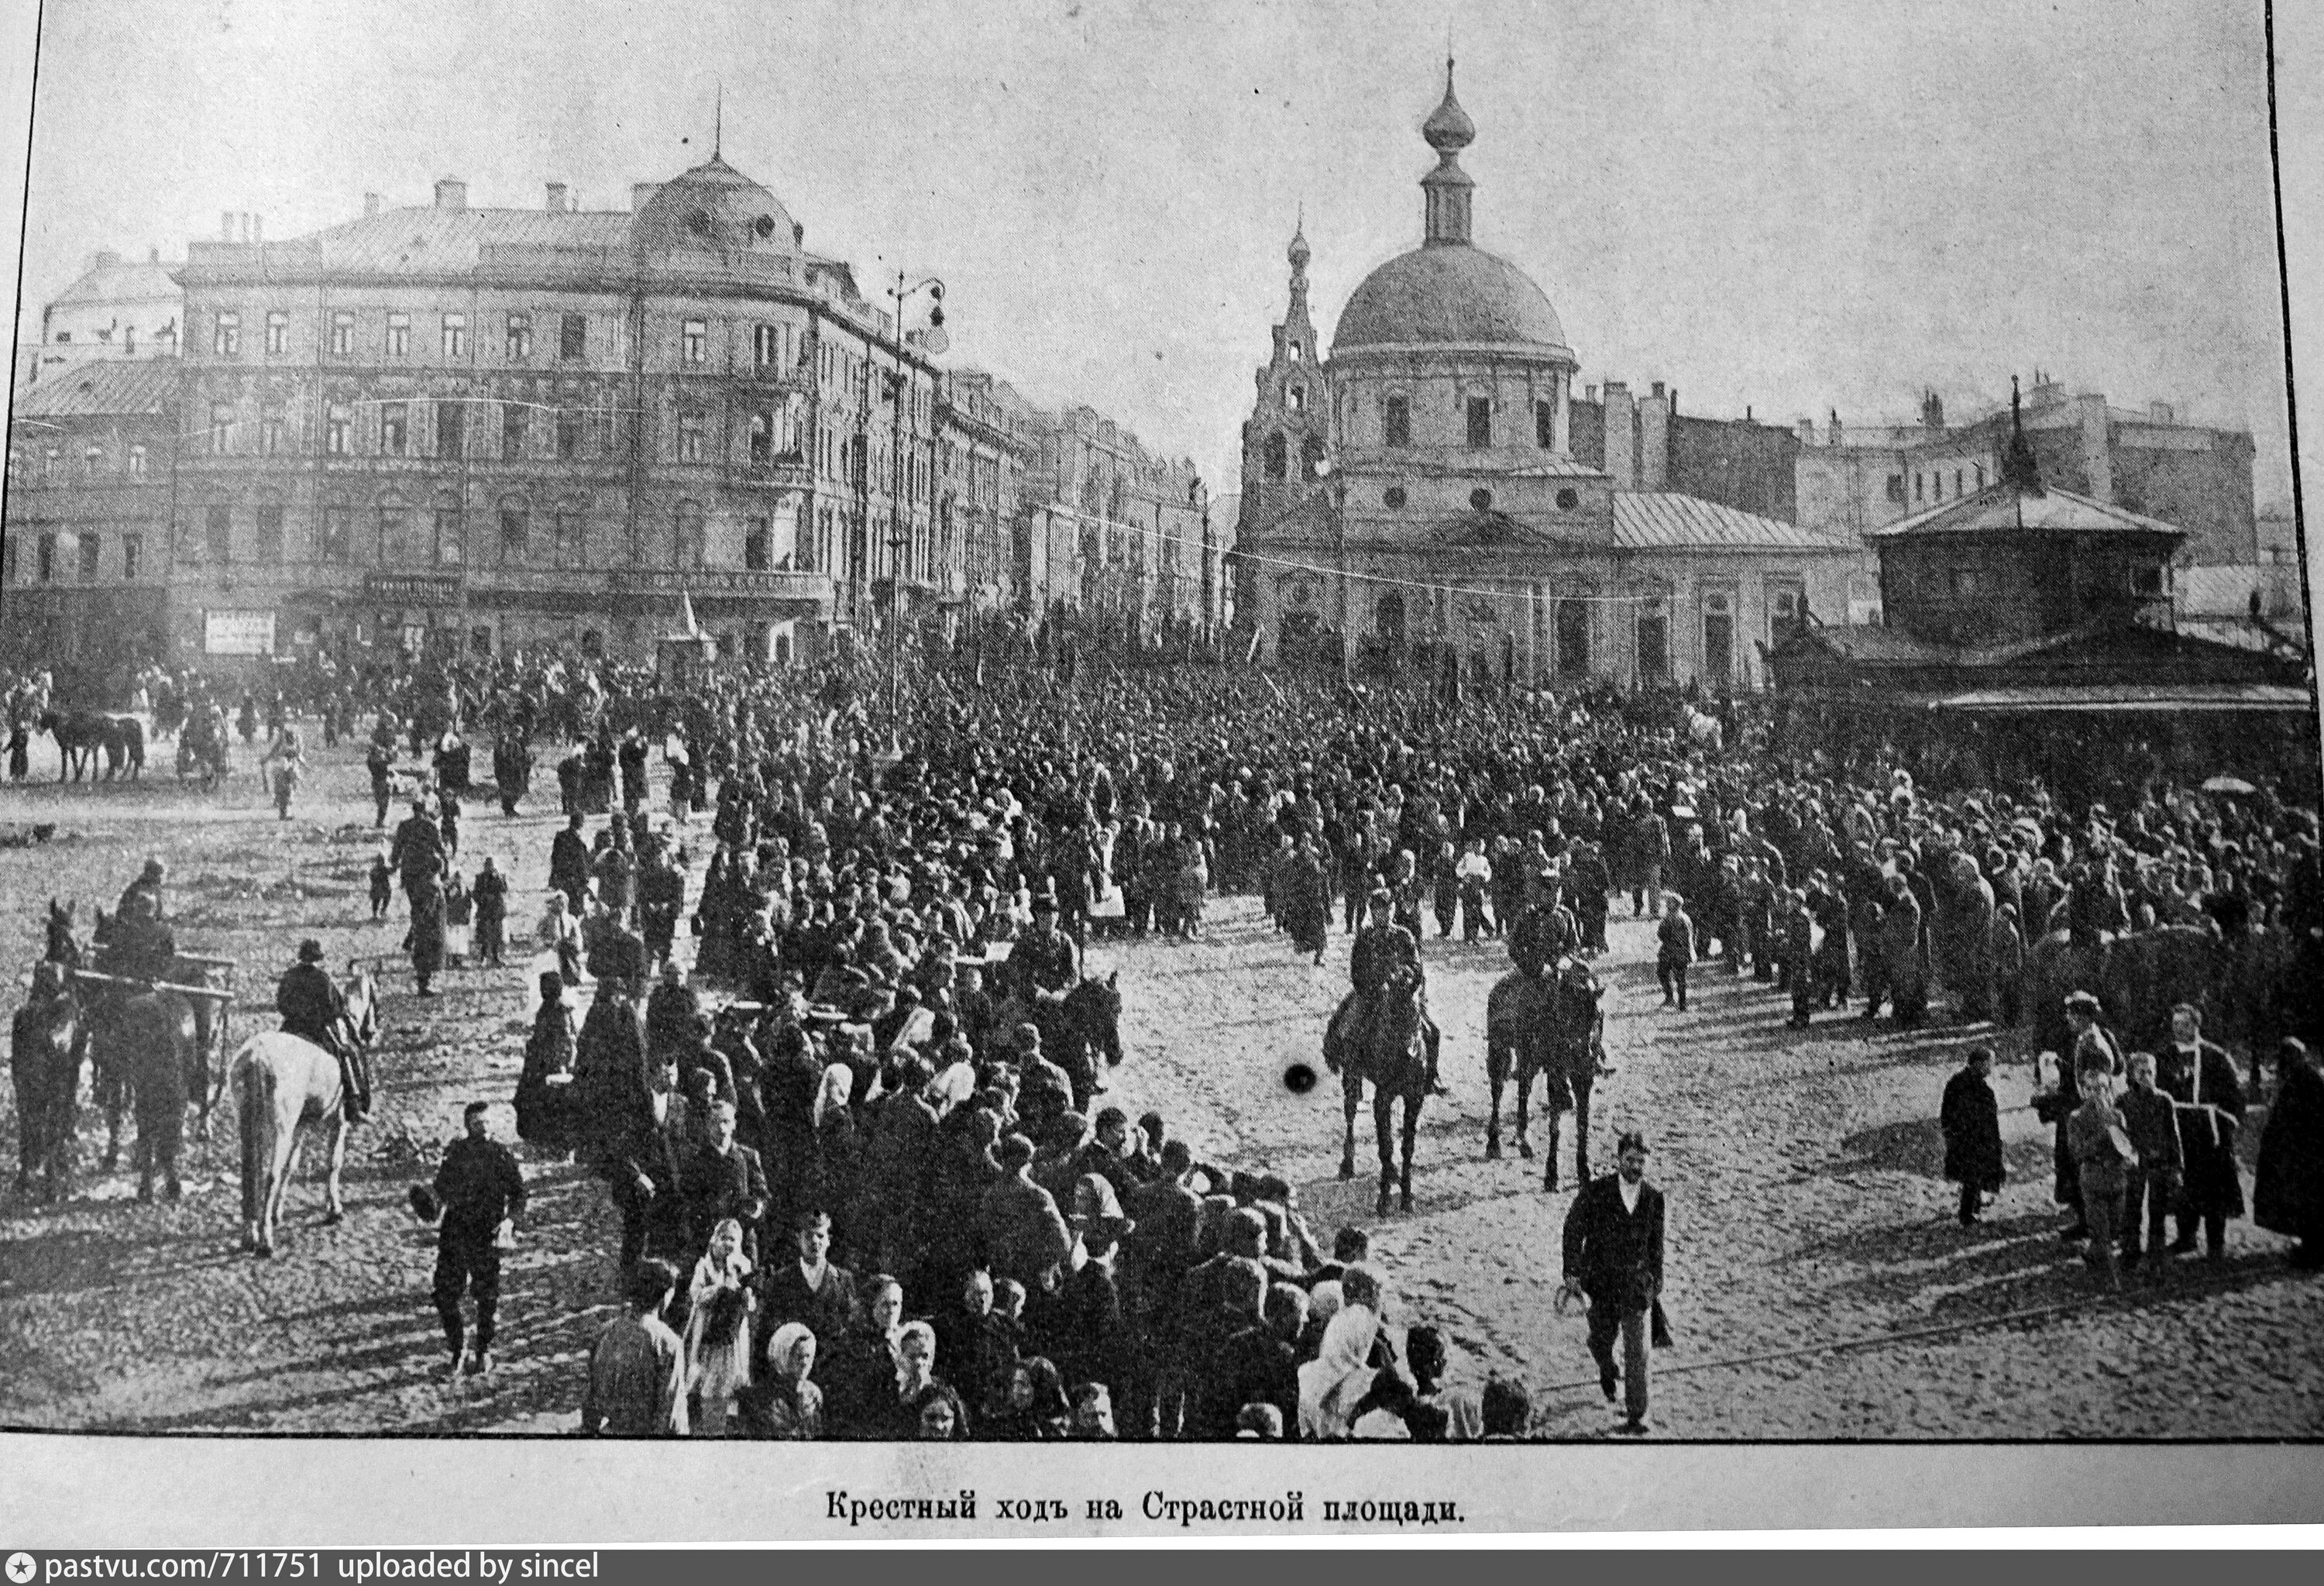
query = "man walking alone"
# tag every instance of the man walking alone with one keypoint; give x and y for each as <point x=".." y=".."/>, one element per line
<point x="1614" y="1257"/>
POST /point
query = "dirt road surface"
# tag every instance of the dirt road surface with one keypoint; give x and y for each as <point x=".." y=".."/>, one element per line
<point x="1806" y="1209"/>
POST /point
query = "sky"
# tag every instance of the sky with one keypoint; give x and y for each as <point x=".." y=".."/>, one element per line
<point x="1821" y="205"/>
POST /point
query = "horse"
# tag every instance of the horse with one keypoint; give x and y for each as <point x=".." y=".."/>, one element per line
<point x="1077" y="1032"/>
<point x="124" y="743"/>
<point x="48" y="1041"/>
<point x="1703" y="731"/>
<point x="280" y="1082"/>
<point x="1555" y="1029"/>
<point x="80" y="734"/>
<point x="62" y="948"/>
<point x="1387" y="1047"/>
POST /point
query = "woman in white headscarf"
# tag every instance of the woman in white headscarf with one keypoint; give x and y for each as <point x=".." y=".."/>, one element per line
<point x="1332" y="1383"/>
<point x="794" y="1406"/>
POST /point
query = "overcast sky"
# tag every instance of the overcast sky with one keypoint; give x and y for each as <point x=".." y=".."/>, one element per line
<point x="1825" y="204"/>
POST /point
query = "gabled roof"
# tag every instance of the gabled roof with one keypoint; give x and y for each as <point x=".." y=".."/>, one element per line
<point x="1871" y="645"/>
<point x="1666" y="519"/>
<point x="2004" y="509"/>
<point x="94" y="389"/>
<point x="1490" y="531"/>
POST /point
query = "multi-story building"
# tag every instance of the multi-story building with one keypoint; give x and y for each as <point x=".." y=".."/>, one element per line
<point x="115" y="310"/>
<point x="453" y="428"/>
<point x="987" y="433"/>
<point x="84" y="559"/>
<point x="1856" y="479"/>
<point x="1113" y="533"/>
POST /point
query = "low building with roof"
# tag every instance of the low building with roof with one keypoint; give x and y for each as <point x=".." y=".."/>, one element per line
<point x="1418" y="496"/>
<point x="117" y="310"/>
<point x="2021" y="619"/>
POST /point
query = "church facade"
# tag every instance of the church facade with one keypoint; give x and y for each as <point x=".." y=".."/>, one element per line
<point x="1414" y="498"/>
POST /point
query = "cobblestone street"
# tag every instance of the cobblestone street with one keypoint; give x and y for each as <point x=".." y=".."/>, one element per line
<point x="1806" y="1205"/>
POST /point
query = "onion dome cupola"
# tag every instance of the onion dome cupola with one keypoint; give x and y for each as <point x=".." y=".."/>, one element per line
<point x="714" y="209"/>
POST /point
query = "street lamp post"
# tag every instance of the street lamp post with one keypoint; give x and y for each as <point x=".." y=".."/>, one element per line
<point x="898" y="530"/>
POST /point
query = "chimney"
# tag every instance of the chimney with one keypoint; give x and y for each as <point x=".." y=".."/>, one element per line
<point x="1589" y="395"/>
<point x="451" y="193"/>
<point x="642" y="193"/>
<point x="371" y="204"/>
<point x="1807" y="432"/>
<point x="258" y="228"/>
<point x="1655" y="440"/>
<point x="2162" y="413"/>
<point x="2097" y="455"/>
<point x="1837" y="435"/>
<point x="153" y="255"/>
<point x="1932" y="411"/>
<point x="245" y="227"/>
<point x="1621" y="426"/>
<point x="225" y="225"/>
<point x="557" y="197"/>
<point x="102" y="258"/>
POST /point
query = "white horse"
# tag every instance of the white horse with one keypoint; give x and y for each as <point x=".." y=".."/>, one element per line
<point x="1704" y="731"/>
<point x="280" y="1082"/>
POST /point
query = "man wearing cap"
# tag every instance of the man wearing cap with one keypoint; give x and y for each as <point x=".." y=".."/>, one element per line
<point x="1614" y="1257"/>
<point x="2090" y="1044"/>
<point x="148" y="885"/>
<point x="1022" y="1234"/>
<point x="1386" y="954"/>
<point x="721" y="1177"/>
<point x="569" y="862"/>
<point x="481" y="1190"/>
<point x="315" y="1010"/>
<point x="1042" y="960"/>
<point x="417" y="852"/>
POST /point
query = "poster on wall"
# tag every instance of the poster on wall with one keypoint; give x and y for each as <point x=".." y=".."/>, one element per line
<point x="237" y="633"/>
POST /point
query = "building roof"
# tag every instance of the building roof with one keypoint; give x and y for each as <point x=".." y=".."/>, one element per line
<point x="2124" y="698"/>
<point x="1666" y="520"/>
<point x="110" y="280"/>
<point x="1449" y="294"/>
<point x="2003" y="508"/>
<point x="1871" y="644"/>
<point x="97" y="389"/>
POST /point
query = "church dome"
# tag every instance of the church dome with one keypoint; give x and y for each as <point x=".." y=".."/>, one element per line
<point x="1448" y="293"/>
<point x="712" y="209"/>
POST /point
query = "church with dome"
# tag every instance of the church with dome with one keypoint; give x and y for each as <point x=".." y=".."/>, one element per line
<point x="1433" y="491"/>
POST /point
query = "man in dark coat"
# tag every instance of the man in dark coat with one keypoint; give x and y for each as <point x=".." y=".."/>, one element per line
<point x="646" y="1175"/>
<point x="1970" y="1120"/>
<point x="2201" y="1078"/>
<point x="721" y="1177"/>
<point x="1614" y="1256"/>
<point x="313" y="1009"/>
<point x="380" y="761"/>
<point x="417" y="850"/>
<point x="610" y="1091"/>
<point x="426" y="938"/>
<point x="2288" y="1189"/>
<point x="805" y="1285"/>
<point x="1022" y="1233"/>
<point x="673" y="1013"/>
<point x="569" y="861"/>
<point x="481" y="1190"/>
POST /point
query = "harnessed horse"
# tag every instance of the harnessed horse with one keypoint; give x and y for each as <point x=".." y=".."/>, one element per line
<point x="1553" y="1029"/>
<point x="48" y="1041"/>
<point x="279" y="1082"/>
<point x="1381" y="1041"/>
<point x="80" y="734"/>
<point x="1077" y="1032"/>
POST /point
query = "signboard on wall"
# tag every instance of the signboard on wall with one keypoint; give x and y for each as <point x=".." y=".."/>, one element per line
<point x="237" y="633"/>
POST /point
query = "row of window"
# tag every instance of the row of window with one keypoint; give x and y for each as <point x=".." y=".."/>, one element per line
<point x="441" y="427"/>
<point x="54" y="561"/>
<point x="1930" y="486"/>
<point x="774" y="346"/>
<point x="393" y="535"/>
<point x="50" y="466"/>
<point x="1570" y="629"/>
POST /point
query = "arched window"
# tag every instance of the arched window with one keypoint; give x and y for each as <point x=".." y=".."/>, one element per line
<point x="1311" y="457"/>
<point x="1278" y="455"/>
<point x="334" y="531"/>
<point x="1387" y="617"/>
<point x="1572" y="622"/>
<point x="451" y="532"/>
<point x="1396" y="421"/>
<point x="398" y="546"/>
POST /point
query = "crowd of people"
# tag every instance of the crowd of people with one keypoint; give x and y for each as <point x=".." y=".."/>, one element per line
<point x="867" y="1183"/>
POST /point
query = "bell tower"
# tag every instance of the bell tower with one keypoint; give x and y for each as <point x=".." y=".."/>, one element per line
<point x="1283" y="441"/>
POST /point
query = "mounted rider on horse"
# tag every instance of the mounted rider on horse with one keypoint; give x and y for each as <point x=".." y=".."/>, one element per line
<point x="313" y="1009"/>
<point x="1386" y="957"/>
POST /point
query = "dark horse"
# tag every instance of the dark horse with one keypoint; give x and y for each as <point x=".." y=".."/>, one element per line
<point x="150" y="1052"/>
<point x="48" y="1042"/>
<point x="1381" y="1042"/>
<point x="1552" y="1027"/>
<point x="1081" y="1031"/>
<point x="82" y="734"/>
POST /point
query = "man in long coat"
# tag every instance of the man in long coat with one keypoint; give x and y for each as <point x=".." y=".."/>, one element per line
<point x="1614" y="1256"/>
<point x="2288" y="1189"/>
<point x="2201" y="1080"/>
<point x="1970" y="1120"/>
<point x="1900" y="953"/>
